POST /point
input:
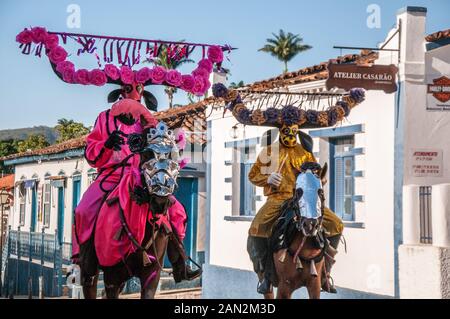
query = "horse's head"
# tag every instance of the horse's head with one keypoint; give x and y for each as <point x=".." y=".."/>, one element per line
<point x="161" y="168"/>
<point x="160" y="153"/>
<point x="309" y="198"/>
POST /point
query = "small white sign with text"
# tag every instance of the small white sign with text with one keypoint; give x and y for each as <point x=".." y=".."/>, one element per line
<point x="426" y="162"/>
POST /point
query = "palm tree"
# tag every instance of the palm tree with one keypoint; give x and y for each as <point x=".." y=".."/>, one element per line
<point x="285" y="46"/>
<point x="165" y="61"/>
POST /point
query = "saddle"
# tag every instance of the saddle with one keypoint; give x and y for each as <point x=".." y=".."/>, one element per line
<point x="285" y="230"/>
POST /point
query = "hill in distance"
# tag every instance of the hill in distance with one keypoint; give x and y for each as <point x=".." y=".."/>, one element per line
<point x="22" y="133"/>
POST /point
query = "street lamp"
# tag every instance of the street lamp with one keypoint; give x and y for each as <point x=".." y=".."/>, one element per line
<point x="4" y="197"/>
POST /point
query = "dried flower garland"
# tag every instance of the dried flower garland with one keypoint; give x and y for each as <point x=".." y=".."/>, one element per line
<point x="288" y="114"/>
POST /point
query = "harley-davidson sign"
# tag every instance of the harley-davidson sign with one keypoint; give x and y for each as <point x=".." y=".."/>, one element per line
<point x="376" y="77"/>
<point x="440" y="89"/>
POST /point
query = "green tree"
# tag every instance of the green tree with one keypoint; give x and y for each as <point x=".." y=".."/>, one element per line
<point x="7" y="147"/>
<point x="235" y="85"/>
<point x="69" y="129"/>
<point x="33" y="142"/>
<point x="285" y="46"/>
<point x="165" y="60"/>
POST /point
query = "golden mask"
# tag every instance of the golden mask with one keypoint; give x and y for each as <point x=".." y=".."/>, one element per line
<point x="288" y="135"/>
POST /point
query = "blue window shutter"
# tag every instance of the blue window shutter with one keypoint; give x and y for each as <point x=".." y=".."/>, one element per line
<point x="339" y="186"/>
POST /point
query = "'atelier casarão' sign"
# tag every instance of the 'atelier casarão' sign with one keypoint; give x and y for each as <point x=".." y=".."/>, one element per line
<point x="375" y="77"/>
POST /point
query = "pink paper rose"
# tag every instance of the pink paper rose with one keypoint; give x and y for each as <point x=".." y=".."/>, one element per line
<point x="97" y="77"/>
<point x="206" y="64"/>
<point x="51" y="41"/>
<point x="39" y="34"/>
<point x="158" y="75"/>
<point x="81" y="77"/>
<point x="199" y="84"/>
<point x="112" y="71"/>
<point x="173" y="77"/>
<point x="200" y="72"/>
<point x="68" y="75"/>
<point x="62" y="66"/>
<point x="143" y="75"/>
<point x="57" y="54"/>
<point x="215" y="54"/>
<point x="24" y="37"/>
<point x="126" y="75"/>
<point x="187" y="82"/>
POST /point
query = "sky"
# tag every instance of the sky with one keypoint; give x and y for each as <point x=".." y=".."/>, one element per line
<point x="32" y="94"/>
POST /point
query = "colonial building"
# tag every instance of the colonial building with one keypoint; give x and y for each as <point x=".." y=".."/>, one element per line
<point x="385" y="161"/>
<point x="49" y="183"/>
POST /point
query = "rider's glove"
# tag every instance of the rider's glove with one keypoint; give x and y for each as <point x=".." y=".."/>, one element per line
<point x="275" y="179"/>
<point x="114" y="141"/>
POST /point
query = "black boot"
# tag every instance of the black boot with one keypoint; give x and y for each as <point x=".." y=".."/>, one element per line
<point x="327" y="281"/>
<point x="182" y="271"/>
<point x="177" y="257"/>
<point x="257" y="249"/>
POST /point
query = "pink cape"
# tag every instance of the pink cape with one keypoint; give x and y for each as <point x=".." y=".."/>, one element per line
<point x="110" y="248"/>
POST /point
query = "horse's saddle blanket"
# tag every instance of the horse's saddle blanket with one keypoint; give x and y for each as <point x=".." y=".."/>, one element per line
<point x="112" y="243"/>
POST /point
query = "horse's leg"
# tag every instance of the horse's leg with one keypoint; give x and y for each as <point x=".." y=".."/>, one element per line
<point x="314" y="284"/>
<point x="89" y="283"/>
<point x="149" y="282"/>
<point x="112" y="291"/>
<point x="115" y="278"/>
<point x="284" y="291"/>
<point x="89" y="269"/>
<point x="150" y="275"/>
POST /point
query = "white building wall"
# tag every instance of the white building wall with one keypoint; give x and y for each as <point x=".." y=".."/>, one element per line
<point x="53" y="168"/>
<point x="368" y="265"/>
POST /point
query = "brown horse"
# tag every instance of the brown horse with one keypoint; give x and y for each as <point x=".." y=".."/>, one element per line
<point x="136" y="264"/>
<point x="302" y="262"/>
<point x="158" y="173"/>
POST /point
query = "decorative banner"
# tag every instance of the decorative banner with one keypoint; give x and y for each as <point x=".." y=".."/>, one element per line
<point x="376" y="77"/>
<point x="438" y="97"/>
<point x="115" y="57"/>
<point x="426" y="162"/>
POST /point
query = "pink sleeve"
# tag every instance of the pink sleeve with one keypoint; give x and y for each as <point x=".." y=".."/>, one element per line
<point x="96" y="153"/>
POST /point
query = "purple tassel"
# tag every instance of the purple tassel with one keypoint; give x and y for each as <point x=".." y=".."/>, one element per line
<point x="105" y="57"/>
<point x="38" y="50"/>
<point x="127" y="59"/>
<point x="119" y="52"/>
<point x="133" y="53"/>
<point x="155" y="49"/>
<point x="111" y="52"/>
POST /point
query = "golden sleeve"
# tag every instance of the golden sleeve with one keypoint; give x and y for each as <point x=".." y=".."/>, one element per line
<point x="310" y="157"/>
<point x="255" y="176"/>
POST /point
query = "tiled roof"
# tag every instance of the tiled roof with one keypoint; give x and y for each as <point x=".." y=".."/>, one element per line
<point x="312" y="73"/>
<point x="440" y="35"/>
<point x="194" y="122"/>
<point x="7" y="182"/>
<point x="52" y="149"/>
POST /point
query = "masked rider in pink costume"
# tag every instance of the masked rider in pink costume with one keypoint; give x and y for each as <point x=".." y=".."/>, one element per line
<point x="105" y="148"/>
